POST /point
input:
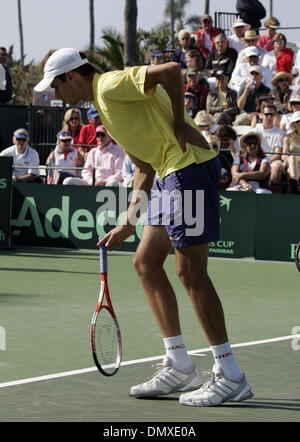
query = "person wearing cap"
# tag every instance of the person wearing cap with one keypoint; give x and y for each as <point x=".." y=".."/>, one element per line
<point x="251" y="169"/>
<point x="221" y="102"/>
<point x="199" y="87"/>
<point x="87" y="136"/>
<point x="189" y="103"/>
<point x="150" y="123"/>
<point x="239" y="28"/>
<point x="241" y="72"/>
<point x="291" y="146"/>
<point x="265" y="39"/>
<point x="248" y="96"/>
<point x="282" y="90"/>
<point x="25" y="159"/>
<point x="251" y="38"/>
<point x="206" y="34"/>
<point x="106" y="160"/>
<point x="272" y="143"/>
<point x="293" y="106"/>
<point x="63" y="156"/>
<point x="156" y="57"/>
<point x="204" y="122"/>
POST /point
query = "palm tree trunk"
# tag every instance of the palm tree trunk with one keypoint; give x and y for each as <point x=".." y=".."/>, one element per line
<point x="130" y="34"/>
<point x="21" y="32"/>
<point x="92" y="26"/>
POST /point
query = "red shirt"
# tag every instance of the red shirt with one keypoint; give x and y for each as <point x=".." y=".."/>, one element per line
<point x="285" y="60"/>
<point x="87" y="136"/>
<point x="212" y="34"/>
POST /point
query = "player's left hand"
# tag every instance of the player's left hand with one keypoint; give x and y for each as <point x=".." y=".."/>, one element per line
<point x="189" y="134"/>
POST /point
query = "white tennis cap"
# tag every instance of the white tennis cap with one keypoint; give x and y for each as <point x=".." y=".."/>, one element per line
<point x="61" y="61"/>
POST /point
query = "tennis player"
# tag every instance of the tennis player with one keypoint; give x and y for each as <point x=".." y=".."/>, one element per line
<point x="149" y="122"/>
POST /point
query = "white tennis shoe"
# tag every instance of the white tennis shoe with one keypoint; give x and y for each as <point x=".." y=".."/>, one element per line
<point x="218" y="390"/>
<point x="168" y="379"/>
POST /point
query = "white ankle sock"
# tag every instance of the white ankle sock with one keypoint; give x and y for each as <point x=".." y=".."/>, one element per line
<point x="224" y="360"/>
<point x="176" y="351"/>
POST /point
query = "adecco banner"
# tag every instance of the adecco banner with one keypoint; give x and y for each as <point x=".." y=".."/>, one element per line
<point x="5" y="199"/>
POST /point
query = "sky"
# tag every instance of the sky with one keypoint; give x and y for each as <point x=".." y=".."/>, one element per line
<point x="65" y="23"/>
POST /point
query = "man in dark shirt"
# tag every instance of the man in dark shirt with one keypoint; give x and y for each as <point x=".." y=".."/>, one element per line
<point x="6" y="94"/>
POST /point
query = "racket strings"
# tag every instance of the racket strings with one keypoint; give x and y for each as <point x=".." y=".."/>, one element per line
<point x="106" y="341"/>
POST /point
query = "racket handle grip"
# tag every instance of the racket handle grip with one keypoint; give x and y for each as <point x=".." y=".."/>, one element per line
<point x="103" y="257"/>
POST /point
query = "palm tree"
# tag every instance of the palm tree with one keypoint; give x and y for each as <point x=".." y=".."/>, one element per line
<point x="110" y="56"/>
<point x="21" y="32"/>
<point x="92" y="26"/>
<point x="130" y="33"/>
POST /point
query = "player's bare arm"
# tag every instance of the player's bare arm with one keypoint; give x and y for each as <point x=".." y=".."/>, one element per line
<point x="143" y="181"/>
<point x="170" y="77"/>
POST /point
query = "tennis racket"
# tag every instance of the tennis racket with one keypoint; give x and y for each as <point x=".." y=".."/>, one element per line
<point x="297" y="257"/>
<point x="105" y="331"/>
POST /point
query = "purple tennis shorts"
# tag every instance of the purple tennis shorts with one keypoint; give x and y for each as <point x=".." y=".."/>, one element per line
<point x="186" y="202"/>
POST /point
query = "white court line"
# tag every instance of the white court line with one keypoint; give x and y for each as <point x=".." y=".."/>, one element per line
<point x="137" y="361"/>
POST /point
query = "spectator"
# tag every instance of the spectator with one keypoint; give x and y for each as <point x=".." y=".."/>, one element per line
<point x="195" y="62"/>
<point x="228" y="141"/>
<point x="293" y="106"/>
<point x="281" y="58"/>
<point x="87" y="136"/>
<point x="157" y="57"/>
<point x="272" y="143"/>
<point x="297" y="67"/>
<point x="222" y="58"/>
<point x="258" y="116"/>
<point x="63" y="156"/>
<point x="25" y="159"/>
<point x="72" y="124"/>
<point x="185" y="42"/>
<point x="266" y="39"/>
<point x="221" y="101"/>
<point x="205" y="35"/>
<point x="128" y="172"/>
<point x="291" y="145"/>
<point x="190" y="104"/>
<point x="225" y="176"/>
<point x="251" y="39"/>
<point x="6" y="88"/>
<point x="234" y="40"/>
<point x="2" y="78"/>
<point x="199" y="87"/>
<point x="106" y="160"/>
<point x="249" y="95"/>
<point x="204" y="122"/>
<point x="251" y="170"/>
<point x="241" y="74"/>
<point x="282" y="91"/>
<point x="251" y="11"/>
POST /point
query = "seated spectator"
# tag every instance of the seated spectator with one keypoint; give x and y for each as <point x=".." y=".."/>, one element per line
<point x="204" y="122"/>
<point x="199" y="87"/>
<point x="281" y="59"/>
<point x="282" y="91"/>
<point x="222" y="58"/>
<point x="251" y="170"/>
<point x="72" y="124"/>
<point x="106" y="160"/>
<point x="293" y="106"/>
<point x="265" y="39"/>
<point x="258" y="116"/>
<point x="221" y="101"/>
<point x="272" y="144"/>
<point x="185" y="43"/>
<point x="205" y="35"/>
<point x="249" y="95"/>
<point x="128" y="172"/>
<point x="195" y="62"/>
<point x="190" y="104"/>
<point x="87" y="136"/>
<point x="2" y="78"/>
<point x="291" y="145"/>
<point x="252" y="11"/>
<point x="25" y="159"/>
<point x="157" y="57"/>
<point x="241" y="73"/>
<point x="63" y="156"/>
<point x="251" y="39"/>
<point x="228" y="142"/>
<point x="225" y="176"/>
<point x="6" y="89"/>
<point x="234" y="40"/>
<point x="296" y="68"/>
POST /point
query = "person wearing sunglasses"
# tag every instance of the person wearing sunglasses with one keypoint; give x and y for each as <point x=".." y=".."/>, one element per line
<point x="282" y="90"/>
<point x="206" y="34"/>
<point x="185" y="43"/>
<point x="72" y="123"/>
<point x="64" y="156"/>
<point x="25" y="157"/>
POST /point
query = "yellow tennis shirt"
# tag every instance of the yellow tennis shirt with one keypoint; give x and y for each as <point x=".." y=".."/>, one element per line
<point x="142" y="122"/>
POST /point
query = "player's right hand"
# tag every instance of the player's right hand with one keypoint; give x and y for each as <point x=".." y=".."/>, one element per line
<point x="116" y="236"/>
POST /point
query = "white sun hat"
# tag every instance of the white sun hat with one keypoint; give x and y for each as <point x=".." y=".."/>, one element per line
<point x="61" y="61"/>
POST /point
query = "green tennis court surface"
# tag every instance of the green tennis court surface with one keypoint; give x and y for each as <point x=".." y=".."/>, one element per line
<point x="47" y="298"/>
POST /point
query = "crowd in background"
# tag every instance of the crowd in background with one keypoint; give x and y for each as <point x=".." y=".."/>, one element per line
<point x="241" y="90"/>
